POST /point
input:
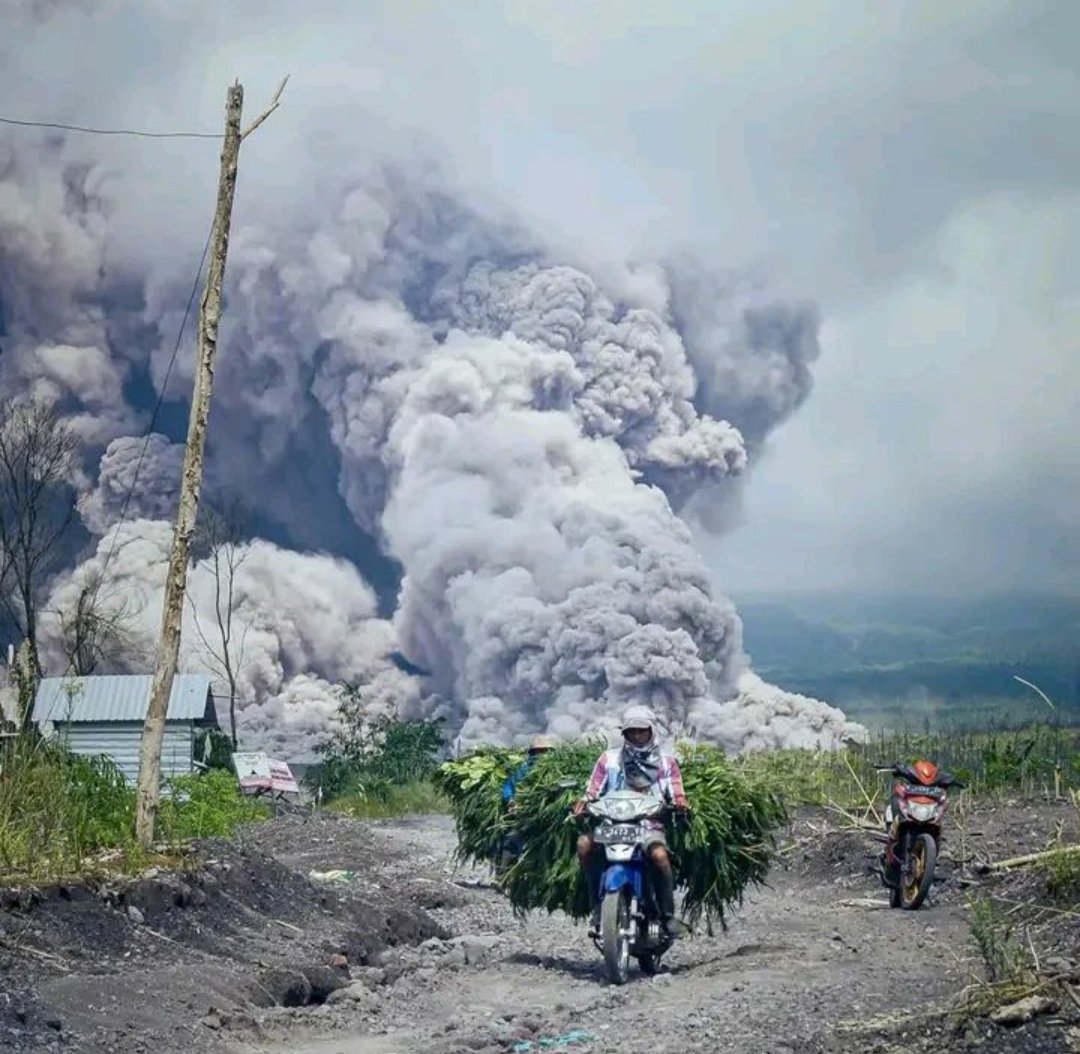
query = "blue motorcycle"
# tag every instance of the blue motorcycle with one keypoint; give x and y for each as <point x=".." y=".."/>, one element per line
<point x="629" y="914"/>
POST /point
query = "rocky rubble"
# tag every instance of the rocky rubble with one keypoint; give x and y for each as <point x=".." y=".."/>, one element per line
<point x="399" y="952"/>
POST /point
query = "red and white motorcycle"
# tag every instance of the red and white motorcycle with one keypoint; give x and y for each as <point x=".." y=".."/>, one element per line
<point x="913" y="821"/>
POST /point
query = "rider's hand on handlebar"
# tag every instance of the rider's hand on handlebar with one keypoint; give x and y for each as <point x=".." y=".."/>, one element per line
<point x="580" y="806"/>
<point x="682" y="809"/>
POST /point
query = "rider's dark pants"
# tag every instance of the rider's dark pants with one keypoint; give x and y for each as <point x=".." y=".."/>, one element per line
<point x="594" y="872"/>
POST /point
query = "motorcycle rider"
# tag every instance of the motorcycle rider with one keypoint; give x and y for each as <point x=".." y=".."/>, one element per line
<point x="512" y="844"/>
<point x="640" y="765"/>
<point x="539" y="745"/>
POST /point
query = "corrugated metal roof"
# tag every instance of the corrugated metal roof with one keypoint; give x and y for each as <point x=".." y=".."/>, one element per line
<point x="120" y="698"/>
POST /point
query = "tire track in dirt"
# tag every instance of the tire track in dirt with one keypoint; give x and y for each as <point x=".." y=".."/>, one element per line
<point x="800" y="956"/>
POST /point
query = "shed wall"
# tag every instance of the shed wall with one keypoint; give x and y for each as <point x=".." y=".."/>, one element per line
<point x="120" y="742"/>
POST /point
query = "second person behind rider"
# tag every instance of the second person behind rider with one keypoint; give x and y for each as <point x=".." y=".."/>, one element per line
<point x="638" y="765"/>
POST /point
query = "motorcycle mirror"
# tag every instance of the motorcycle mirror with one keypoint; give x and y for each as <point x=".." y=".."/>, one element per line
<point x="566" y="784"/>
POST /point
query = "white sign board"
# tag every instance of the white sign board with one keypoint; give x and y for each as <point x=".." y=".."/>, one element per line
<point x="253" y="771"/>
<point x="282" y="779"/>
<point x="257" y="772"/>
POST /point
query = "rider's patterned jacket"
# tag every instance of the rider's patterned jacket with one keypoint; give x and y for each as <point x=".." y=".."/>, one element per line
<point x="608" y="776"/>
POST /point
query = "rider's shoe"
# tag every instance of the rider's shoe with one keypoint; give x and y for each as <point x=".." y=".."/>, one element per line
<point x="594" y="922"/>
<point x="674" y="928"/>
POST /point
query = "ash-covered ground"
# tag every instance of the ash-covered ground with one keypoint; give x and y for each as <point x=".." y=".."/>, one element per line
<point x="245" y="953"/>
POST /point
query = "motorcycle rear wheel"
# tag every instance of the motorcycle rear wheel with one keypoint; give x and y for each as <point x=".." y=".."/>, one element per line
<point x="614" y="922"/>
<point x="923" y="850"/>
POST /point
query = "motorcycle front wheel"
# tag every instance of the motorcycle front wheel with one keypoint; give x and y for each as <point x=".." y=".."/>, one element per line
<point x="915" y="882"/>
<point x="615" y="935"/>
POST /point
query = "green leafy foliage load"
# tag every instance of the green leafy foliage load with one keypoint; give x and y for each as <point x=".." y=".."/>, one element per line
<point x="473" y="785"/>
<point x="726" y="847"/>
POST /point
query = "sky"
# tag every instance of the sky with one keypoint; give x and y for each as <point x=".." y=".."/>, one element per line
<point x="911" y="168"/>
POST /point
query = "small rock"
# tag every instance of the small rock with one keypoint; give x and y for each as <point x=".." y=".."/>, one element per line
<point x="54" y="1023"/>
<point x="1063" y="967"/>
<point x="476" y="949"/>
<point x="211" y="1021"/>
<point x="372" y="976"/>
<point x="454" y="957"/>
<point x="136" y="915"/>
<point x="338" y="962"/>
<point x="357" y="993"/>
<point x="1023" y="1011"/>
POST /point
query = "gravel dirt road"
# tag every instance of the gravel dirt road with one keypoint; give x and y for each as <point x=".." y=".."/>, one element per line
<point x="411" y="955"/>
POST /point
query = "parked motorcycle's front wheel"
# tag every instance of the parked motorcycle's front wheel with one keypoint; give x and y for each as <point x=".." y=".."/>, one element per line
<point x="615" y="934"/>
<point x="917" y="875"/>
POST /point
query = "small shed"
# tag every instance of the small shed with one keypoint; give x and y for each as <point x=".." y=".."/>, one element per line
<point x="105" y="715"/>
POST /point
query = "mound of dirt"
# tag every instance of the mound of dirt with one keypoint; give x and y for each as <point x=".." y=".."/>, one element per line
<point x="138" y="961"/>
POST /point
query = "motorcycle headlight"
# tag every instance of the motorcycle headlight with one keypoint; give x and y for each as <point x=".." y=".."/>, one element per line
<point x="921" y="810"/>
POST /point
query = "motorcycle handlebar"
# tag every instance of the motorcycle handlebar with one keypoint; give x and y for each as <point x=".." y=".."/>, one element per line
<point x="681" y="819"/>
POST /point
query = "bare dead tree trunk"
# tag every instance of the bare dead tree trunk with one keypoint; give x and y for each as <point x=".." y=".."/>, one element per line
<point x="149" y="782"/>
<point x="148" y="788"/>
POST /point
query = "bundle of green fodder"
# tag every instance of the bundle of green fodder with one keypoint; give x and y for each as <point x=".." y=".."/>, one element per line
<point x="729" y="843"/>
<point x="726" y="847"/>
<point x="473" y="784"/>
<point x="546" y="874"/>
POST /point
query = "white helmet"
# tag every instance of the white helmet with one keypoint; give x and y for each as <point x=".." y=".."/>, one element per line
<point x="638" y="717"/>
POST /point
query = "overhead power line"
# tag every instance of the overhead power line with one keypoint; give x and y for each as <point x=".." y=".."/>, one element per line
<point x="111" y="131"/>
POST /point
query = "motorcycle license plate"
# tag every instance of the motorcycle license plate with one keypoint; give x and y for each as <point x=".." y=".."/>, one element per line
<point x="918" y="791"/>
<point x="619" y="832"/>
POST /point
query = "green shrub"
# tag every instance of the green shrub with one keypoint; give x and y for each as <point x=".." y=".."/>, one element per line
<point x="1061" y="872"/>
<point x="1005" y="960"/>
<point x="208" y="805"/>
<point x="214" y="749"/>
<point x="371" y="757"/>
<point x="56" y="808"/>
<point x="422" y="798"/>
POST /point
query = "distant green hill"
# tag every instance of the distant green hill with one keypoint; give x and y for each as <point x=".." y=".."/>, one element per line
<point x="904" y="660"/>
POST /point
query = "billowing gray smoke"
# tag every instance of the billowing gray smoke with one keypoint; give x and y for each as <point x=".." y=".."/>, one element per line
<point x="300" y="623"/>
<point x="137" y="479"/>
<point x="518" y="439"/>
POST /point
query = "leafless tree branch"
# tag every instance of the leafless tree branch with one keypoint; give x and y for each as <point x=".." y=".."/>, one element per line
<point x="222" y="537"/>
<point x="38" y="456"/>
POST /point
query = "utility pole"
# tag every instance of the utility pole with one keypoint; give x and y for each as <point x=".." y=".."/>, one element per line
<point x="149" y="784"/>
